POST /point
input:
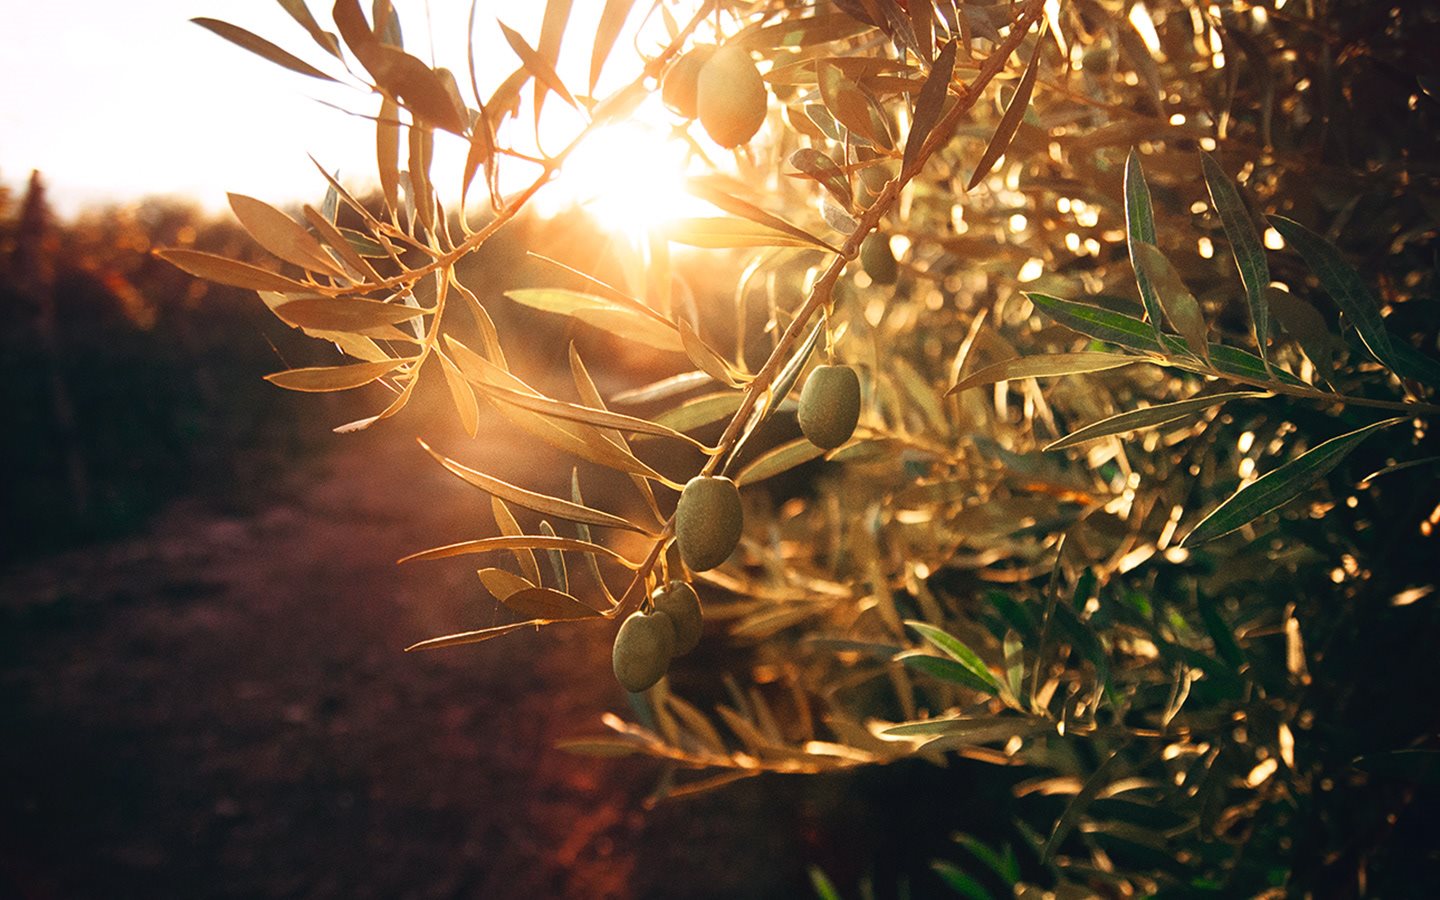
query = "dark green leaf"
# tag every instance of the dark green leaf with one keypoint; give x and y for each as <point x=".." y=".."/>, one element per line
<point x="1342" y="283"/>
<point x="1140" y="226"/>
<point x="959" y="882"/>
<point x="955" y="648"/>
<point x="1148" y="417"/>
<point x="1175" y="299"/>
<point x="1043" y="366"/>
<point x="1280" y="486"/>
<point x="1244" y="244"/>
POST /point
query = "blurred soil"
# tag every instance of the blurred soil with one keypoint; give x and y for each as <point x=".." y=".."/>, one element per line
<point x="220" y="706"/>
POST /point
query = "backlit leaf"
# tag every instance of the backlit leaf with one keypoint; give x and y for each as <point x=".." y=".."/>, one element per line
<point x="954" y="648"/>
<point x="1043" y="366"/>
<point x="1245" y="245"/>
<point x="1179" y="305"/>
<point x="260" y="47"/>
<point x="536" y="64"/>
<point x="816" y="165"/>
<point x="778" y="459"/>
<point x="333" y="378"/>
<point x="502" y="584"/>
<point x="509" y="528"/>
<point x="541" y="503"/>
<point x="549" y="605"/>
<point x="1148" y="417"/>
<point x="945" y="669"/>
<point x="472" y="637"/>
<point x="222" y="270"/>
<point x="281" y="235"/>
<point x="519" y="542"/>
<point x="612" y="20"/>
<point x="1010" y="121"/>
<point x="730" y="232"/>
<point x="1342" y="283"/>
<point x="1140" y="227"/>
<point x="705" y="358"/>
<point x="350" y="314"/>
<point x="1276" y="488"/>
<point x="709" y="191"/>
<point x="603" y="314"/>
<point x="930" y="103"/>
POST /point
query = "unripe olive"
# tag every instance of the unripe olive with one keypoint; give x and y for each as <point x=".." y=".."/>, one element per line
<point x="830" y="406"/>
<point x="679" y="601"/>
<point x="877" y="260"/>
<point x="708" y="521"/>
<point x="643" y="647"/>
<point x="678" y="89"/>
<point x="730" y="97"/>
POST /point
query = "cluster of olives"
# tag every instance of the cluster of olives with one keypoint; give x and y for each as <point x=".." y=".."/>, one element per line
<point x="647" y="641"/>
<point x="720" y="86"/>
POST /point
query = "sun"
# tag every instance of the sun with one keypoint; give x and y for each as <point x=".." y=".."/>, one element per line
<point x="630" y="176"/>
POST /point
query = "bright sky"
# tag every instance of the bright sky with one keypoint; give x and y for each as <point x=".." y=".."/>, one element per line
<point x="114" y="101"/>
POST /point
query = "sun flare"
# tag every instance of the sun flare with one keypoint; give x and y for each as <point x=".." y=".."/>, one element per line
<point x="630" y="176"/>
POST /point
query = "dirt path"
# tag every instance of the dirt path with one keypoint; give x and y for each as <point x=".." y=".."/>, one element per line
<point x="220" y="706"/>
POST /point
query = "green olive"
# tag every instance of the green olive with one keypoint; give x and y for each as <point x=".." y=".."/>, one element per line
<point x="643" y="647"/>
<point x="730" y="97"/>
<point x="877" y="260"/>
<point x="708" y="521"/>
<point x="681" y="80"/>
<point x="679" y="601"/>
<point x="830" y="406"/>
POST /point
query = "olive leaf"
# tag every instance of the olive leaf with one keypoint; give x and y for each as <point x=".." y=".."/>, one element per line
<point x="1042" y="366"/>
<point x="509" y="528"/>
<point x="725" y="231"/>
<point x="1148" y="417"/>
<point x="223" y="270"/>
<point x="1179" y="305"/>
<point x="260" y="47"/>
<point x="536" y="65"/>
<point x="778" y="459"/>
<point x="707" y="189"/>
<point x="1140" y="227"/>
<point x="1276" y="488"/>
<point x="954" y="648"/>
<point x="281" y="235"/>
<point x="813" y="164"/>
<point x="473" y="637"/>
<point x="352" y="314"/>
<point x="333" y="378"/>
<point x="1010" y="121"/>
<point x="1245" y="246"/>
<point x="612" y="21"/>
<point x="929" y="103"/>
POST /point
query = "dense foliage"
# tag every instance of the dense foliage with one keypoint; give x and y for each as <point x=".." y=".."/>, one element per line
<point x="1139" y="501"/>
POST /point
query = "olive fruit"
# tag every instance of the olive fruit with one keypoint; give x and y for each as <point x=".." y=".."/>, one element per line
<point x="730" y="97"/>
<point x="679" y="601"/>
<point x="708" y="521"/>
<point x="678" y="89"/>
<point x="830" y="406"/>
<point x="877" y="260"/>
<point x="643" y="647"/>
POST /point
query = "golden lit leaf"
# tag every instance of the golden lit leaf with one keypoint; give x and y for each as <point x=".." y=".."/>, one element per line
<point x="333" y="378"/>
<point x="729" y="232"/>
<point x="281" y="235"/>
<point x="520" y="542"/>
<point x="709" y="362"/>
<point x="604" y="314"/>
<point x="707" y="189"/>
<point x="549" y="605"/>
<point x="472" y="637"/>
<point x="462" y="395"/>
<point x="1010" y="121"/>
<point x="541" y="503"/>
<point x="349" y="314"/>
<point x="536" y="64"/>
<point x="502" y="584"/>
<point x="260" y="47"/>
<point x="505" y="521"/>
<point x="222" y="270"/>
<point x="612" y="20"/>
<point x="779" y="459"/>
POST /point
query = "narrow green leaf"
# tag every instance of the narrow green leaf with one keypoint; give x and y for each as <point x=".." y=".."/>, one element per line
<point x="1043" y="366"/>
<point x="1148" y="417"/>
<point x="945" y="669"/>
<point x="1245" y="245"/>
<point x="779" y="459"/>
<point x="956" y="650"/>
<point x="1179" y="305"/>
<point x="702" y="410"/>
<point x="1342" y="283"/>
<point x="1140" y="226"/>
<point x="959" y="882"/>
<point x="1305" y="324"/>
<point x="260" y="47"/>
<point x="1010" y="121"/>
<point x="1276" y="488"/>
<point x="1071" y="817"/>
